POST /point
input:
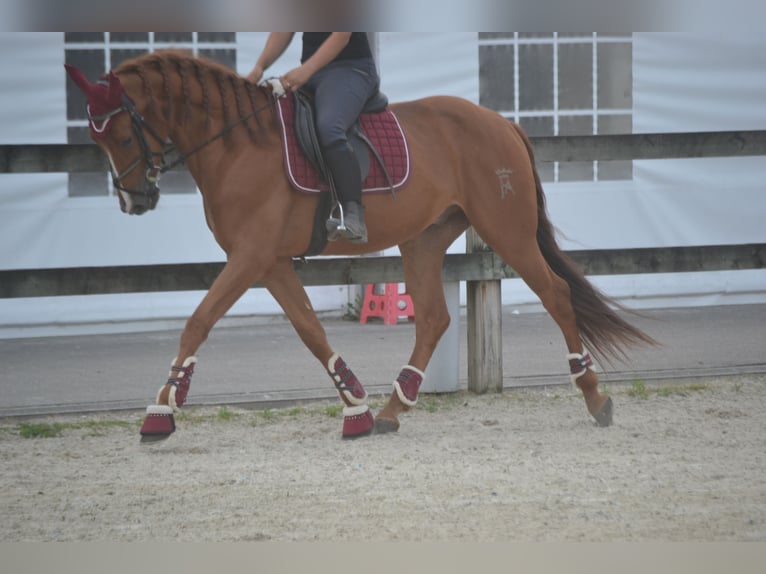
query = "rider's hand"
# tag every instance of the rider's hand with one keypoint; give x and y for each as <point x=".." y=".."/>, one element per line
<point x="256" y="74"/>
<point x="296" y="78"/>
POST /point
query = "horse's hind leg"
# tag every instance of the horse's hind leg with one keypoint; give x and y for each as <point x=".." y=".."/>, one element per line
<point x="524" y="255"/>
<point x="422" y="259"/>
<point x="285" y="286"/>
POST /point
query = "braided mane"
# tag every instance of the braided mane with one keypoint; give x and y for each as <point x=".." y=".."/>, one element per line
<point x="237" y="95"/>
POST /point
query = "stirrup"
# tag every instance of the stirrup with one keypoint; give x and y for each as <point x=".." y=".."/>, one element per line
<point x="335" y="225"/>
<point x="342" y="220"/>
<point x="337" y="228"/>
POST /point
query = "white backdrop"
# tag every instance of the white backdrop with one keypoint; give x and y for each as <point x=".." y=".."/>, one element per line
<point x="682" y="82"/>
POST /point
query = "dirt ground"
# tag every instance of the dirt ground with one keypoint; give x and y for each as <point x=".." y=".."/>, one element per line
<point x="683" y="462"/>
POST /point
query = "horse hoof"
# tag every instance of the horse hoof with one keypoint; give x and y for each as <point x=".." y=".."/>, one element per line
<point x="159" y="423"/>
<point x="604" y="416"/>
<point x="357" y="422"/>
<point x="153" y="438"/>
<point x="358" y="435"/>
<point x="384" y="425"/>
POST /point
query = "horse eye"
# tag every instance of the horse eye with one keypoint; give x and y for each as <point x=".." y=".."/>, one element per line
<point x="126" y="142"/>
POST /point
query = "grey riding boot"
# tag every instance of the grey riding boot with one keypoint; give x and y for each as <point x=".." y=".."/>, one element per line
<point x="348" y="223"/>
<point x="353" y="219"/>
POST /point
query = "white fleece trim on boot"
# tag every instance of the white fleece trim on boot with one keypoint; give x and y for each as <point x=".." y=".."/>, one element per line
<point x="189" y="361"/>
<point x="172" y="394"/>
<point x="330" y="366"/>
<point x="418" y="371"/>
<point x="574" y="376"/>
<point x="398" y="387"/>
<point x="159" y="410"/>
<point x="172" y="399"/>
<point x="355" y="411"/>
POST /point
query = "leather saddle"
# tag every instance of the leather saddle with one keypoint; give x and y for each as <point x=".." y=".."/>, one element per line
<point x="305" y="132"/>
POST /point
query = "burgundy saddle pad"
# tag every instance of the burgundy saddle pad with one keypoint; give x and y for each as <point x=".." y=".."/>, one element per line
<point x="382" y="129"/>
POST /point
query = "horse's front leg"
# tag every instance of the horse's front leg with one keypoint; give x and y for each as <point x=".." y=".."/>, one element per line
<point x="422" y="258"/>
<point x="238" y="275"/>
<point x="424" y="284"/>
<point x="285" y="286"/>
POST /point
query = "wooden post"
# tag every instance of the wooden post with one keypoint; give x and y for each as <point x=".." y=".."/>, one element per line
<point x="484" y="318"/>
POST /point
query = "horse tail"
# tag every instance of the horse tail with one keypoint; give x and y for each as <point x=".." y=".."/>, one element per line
<point x="603" y="331"/>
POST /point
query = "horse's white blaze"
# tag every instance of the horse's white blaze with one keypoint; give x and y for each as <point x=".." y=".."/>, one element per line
<point x="125" y="196"/>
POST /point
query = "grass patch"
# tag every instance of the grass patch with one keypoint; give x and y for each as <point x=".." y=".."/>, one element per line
<point x="682" y="390"/>
<point x="638" y="389"/>
<point x="439" y="402"/>
<point x="226" y="414"/>
<point x="333" y="411"/>
<point x="268" y="414"/>
<point x="697" y="387"/>
<point x="40" y="430"/>
<point x="271" y="414"/>
<point x="430" y="405"/>
<point x="51" y="430"/>
<point x="354" y="310"/>
<point x="191" y="417"/>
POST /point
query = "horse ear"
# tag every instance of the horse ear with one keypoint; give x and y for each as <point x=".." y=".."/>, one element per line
<point x="114" y="96"/>
<point x="79" y="78"/>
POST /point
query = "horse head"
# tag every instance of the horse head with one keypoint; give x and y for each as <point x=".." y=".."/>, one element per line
<point x="121" y="132"/>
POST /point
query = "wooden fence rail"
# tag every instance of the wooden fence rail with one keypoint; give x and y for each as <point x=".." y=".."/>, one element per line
<point x="480" y="266"/>
<point x="71" y="158"/>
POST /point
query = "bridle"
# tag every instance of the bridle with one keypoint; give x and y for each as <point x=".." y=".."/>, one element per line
<point x="99" y="125"/>
<point x="147" y="156"/>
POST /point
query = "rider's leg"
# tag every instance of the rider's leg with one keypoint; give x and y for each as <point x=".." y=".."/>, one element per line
<point x="340" y="93"/>
<point x="347" y="177"/>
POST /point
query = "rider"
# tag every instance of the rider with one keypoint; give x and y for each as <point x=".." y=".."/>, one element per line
<point x="339" y="69"/>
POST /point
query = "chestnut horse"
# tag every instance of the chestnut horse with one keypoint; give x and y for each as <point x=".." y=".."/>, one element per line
<point x="226" y="130"/>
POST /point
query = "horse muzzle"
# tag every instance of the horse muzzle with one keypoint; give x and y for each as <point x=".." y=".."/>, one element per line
<point x="138" y="202"/>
